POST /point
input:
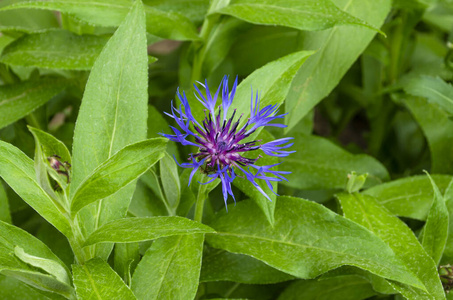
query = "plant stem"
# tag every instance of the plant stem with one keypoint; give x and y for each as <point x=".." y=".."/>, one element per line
<point x="76" y="241"/>
<point x="199" y="206"/>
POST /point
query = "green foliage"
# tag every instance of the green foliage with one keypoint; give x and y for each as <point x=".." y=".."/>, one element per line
<point x="107" y="208"/>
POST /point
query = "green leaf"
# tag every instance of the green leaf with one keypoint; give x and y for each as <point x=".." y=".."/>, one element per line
<point x="435" y="232"/>
<point x="195" y="10"/>
<point x="145" y="203"/>
<point x="438" y="129"/>
<point x="170" y="268"/>
<point x="170" y="25"/>
<point x="130" y="230"/>
<point x="448" y="252"/>
<point x="47" y="147"/>
<point x="434" y="89"/>
<point x="170" y="180"/>
<point x="337" y="49"/>
<point x="271" y="81"/>
<point x="22" y="254"/>
<point x="364" y="210"/>
<point x="117" y="172"/>
<point x="220" y="265"/>
<point x="96" y="280"/>
<point x="306" y="240"/>
<point x="55" y="49"/>
<point x="409" y="197"/>
<point x="251" y="191"/>
<point x="110" y="13"/>
<point x="19" y="99"/>
<point x="347" y="287"/>
<point x="302" y="15"/>
<point x="27" y="20"/>
<point x="42" y="282"/>
<point x="112" y="115"/>
<point x="48" y="265"/>
<point x="320" y="164"/>
<point x="5" y="214"/>
<point x="13" y="289"/>
<point x="18" y="171"/>
<point x="126" y="258"/>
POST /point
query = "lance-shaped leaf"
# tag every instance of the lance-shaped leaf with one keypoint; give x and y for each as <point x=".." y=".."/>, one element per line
<point x="55" y="49"/>
<point x="170" y="181"/>
<point x="170" y="269"/>
<point x="118" y="171"/>
<point x="5" y="214"/>
<point x="43" y="282"/>
<point x="112" y="115"/>
<point x="22" y="255"/>
<point x="448" y="251"/>
<point x="438" y="129"/>
<point x="96" y="280"/>
<point x="129" y="230"/>
<point x="19" y="99"/>
<point x="409" y="197"/>
<point x="36" y="20"/>
<point x="336" y="50"/>
<point x="247" y="187"/>
<point x="364" y="210"/>
<point x="303" y="15"/>
<point x="306" y="240"/>
<point x="272" y="81"/>
<point x="111" y="13"/>
<point x="435" y="232"/>
<point x="434" y="89"/>
<point x="18" y="171"/>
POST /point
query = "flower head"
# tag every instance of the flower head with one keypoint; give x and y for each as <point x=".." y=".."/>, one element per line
<point x="220" y="139"/>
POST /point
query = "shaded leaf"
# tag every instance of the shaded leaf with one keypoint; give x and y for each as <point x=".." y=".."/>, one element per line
<point x="220" y="265"/>
<point x="438" y="129"/>
<point x="27" y="20"/>
<point x="320" y="164"/>
<point x="19" y="99"/>
<point x="337" y="49"/>
<point x="5" y="214"/>
<point x="434" y="89"/>
<point x="111" y="13"/>
<point x="348" y="287"/>
<point x="170" y="180"/>
<point x="56" y="49"/>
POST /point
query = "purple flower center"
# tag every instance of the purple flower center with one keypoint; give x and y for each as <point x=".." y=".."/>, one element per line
<point x="220" y="140"/>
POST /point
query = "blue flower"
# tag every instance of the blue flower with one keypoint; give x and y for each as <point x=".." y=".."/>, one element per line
<point x="218" y="139"/>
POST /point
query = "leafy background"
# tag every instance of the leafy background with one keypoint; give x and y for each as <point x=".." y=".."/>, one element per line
<point x="366" y="85"/>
